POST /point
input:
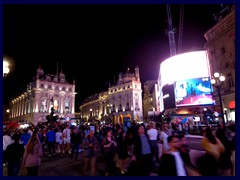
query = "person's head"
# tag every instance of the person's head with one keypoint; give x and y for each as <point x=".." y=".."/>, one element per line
<point x="91" y="133"/>
<point x="109" y="133"/>
<point x="141" y="130"/>
<point x="207" y="132"/>
<point x="173" y="142"/>
<point x="152" y="125"/>
<point x="15" y="137"/>
<point x="184" y="143"/>
<point x="220" y="134"/>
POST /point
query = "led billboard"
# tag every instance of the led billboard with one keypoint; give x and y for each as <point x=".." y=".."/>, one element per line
<point x="191" y="92"/>
<point x="184" y="66"/>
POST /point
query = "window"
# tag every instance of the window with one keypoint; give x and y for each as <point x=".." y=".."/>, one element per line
<point x="67" y="106"/>
<point x="43" y="107"/>
<point x="230" y="80"/>
<point x="222" y="50"/>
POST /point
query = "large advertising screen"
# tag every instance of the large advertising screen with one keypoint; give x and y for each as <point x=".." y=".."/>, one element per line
<point x="184" y="66"/>
<point x="195" y="91"/>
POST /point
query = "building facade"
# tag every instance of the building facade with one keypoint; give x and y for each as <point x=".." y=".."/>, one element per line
<point x="43" y="93"/>
<point x="122" y="100"/>
<point x="220" y="47"/>
<point x="151" y="106"/>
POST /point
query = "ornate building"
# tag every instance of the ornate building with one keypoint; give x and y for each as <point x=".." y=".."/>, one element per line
<point x="122" y="100"/>
<point x="150" y="100"/>
<point x="43" y="93"/>
<point x="220" y="47"/>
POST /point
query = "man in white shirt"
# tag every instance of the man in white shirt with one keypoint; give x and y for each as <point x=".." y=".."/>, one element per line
<point x="67" y="139"/>
<point x="171" y="163"/>
<point x="153" y="136"/>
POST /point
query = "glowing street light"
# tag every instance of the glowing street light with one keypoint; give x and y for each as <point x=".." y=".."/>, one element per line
<point x="217" y="82"/>
<point x="5" y="68"/>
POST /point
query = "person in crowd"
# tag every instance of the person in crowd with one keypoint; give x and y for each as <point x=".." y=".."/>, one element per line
<point x="163" y="137"/>
<point x="75" y="142"/>
<point x="6" y="141"/>
<point x="184" y="149"/>
<point x="67" y="139"/>
<point x="142" y="152"/>
<point x="32" y="155"/>
<point x="122" y="152"/>
<point x="180" y="128"/>
<point x="171" y="163"/>
<point x="225" y="163"/>
<point x="25" y="137"/>
<point x="208" y="164"/>
<point x="59" y="141"/>
<point x="14" y="155"/>
<point x="109" y="150"/>
<point x="153" y="138"/>
<point x="51" y="139"/>
<point x="90" y="145"/>
<point x="232" y="141"/>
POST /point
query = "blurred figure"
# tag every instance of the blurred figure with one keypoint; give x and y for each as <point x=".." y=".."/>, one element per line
<point x="225" y="163"/>
<point x="6" y="141"/>
<point x="67" y="139"/>
<point x="25" y="137"/>
<point x="51" y="139"/>
<point x="152" y="133"/>
<point x="32" y="155"/>
<point x="14" y="155"/>
<point x="89" y="145"/>
<point x="143" y="153"/>
<point x="184" y="149"/>
<point x="232" y="141"/>
<point x="59" y="141"/>
<point x="171" y="163"/>
<point x="163" y="136"/>
<point x="122" y="152"/>
<point x="75" y="142"/>
<point x="208" y="164"/>
<point x="109" y="149"/>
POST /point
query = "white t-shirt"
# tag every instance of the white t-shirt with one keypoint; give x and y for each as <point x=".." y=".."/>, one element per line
<point x="152" y="134"/>
<point x="163" y="137"/>
<point x="59" y="137"/>
<point x="67" y="133"/>
<point x="179" y="164"/>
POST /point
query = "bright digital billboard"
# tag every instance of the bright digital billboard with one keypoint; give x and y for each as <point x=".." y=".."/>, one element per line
<point x="191" y="92"/>
<point x="184" y="66"/>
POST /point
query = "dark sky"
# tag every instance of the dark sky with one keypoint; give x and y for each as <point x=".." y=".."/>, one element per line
<point x="93" y="43"/>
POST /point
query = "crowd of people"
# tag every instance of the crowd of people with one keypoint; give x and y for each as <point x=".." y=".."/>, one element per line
<point x="133" y="151"/>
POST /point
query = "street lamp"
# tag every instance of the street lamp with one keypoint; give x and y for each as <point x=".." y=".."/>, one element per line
<point x="5" y="68"/>
<point x="217" y="82"/>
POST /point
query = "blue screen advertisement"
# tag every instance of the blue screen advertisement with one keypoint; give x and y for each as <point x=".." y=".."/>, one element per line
<point x="192" y="92"/>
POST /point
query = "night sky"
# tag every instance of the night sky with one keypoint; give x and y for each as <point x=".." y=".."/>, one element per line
<point x="93" y="43"/>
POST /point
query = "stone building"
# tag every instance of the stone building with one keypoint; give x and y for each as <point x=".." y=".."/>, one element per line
<point x="123" y="100"/>
<point x="43" y="93"/>
<point x="150" y="100"/>
<point x="220" y="47"/>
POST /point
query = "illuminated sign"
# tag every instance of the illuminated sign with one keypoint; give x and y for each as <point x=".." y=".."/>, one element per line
<point x="184" y="66"/>
<point x="191" y="92"/>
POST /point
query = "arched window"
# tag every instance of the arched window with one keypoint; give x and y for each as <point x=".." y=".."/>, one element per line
<point x="55" y="105"/>
<point x="66" y="104"/>
<point x="43" y="107"/>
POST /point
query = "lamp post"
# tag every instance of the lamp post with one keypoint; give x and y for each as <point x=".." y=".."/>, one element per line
<point x="217" y="82"/>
